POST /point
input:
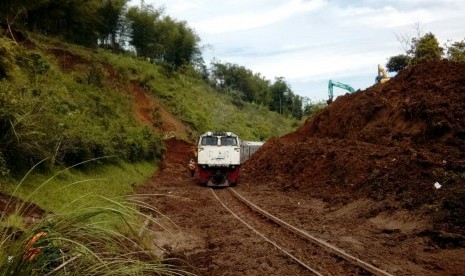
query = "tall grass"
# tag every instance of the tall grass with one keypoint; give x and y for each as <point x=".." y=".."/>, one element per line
<point x="86" y="241"/>
<point x="93" y="229"/>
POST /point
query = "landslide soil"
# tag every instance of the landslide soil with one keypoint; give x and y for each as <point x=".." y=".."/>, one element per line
<point x="361" y="175"/>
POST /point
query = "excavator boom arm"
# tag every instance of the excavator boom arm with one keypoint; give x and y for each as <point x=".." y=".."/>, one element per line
<point x="331" y="84"/>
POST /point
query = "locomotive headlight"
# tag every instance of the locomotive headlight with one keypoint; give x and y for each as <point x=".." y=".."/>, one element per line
<point x="233" y="167"/>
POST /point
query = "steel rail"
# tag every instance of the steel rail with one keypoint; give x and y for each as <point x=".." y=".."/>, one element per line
<point x="265" y="238"/>
<point x="306" y="235"/>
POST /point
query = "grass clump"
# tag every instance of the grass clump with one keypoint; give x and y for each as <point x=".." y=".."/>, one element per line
<point x="58" y="188"/>
<point x="90" y="227"/>
<point x="83" y="240"/>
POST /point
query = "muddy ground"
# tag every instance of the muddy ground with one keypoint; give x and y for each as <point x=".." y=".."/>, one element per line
<point x="361" y="175"/>
<point x="210" y="241"/>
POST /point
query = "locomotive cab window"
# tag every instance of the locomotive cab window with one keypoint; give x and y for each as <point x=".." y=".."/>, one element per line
<point x="209" y="141"/>
<point x="228" y="141"/>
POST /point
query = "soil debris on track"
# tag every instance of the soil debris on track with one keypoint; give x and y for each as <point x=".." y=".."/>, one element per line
<point x="365" y="169"/>
<point x="360" y="175"/>
<point x="208" y="239"/>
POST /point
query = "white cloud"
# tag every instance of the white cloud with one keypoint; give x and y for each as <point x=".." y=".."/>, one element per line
<point x="251" y="19"/>
<point x="308" y="42"/>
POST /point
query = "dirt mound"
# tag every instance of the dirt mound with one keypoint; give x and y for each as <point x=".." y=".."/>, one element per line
<point x="391" y="142"/>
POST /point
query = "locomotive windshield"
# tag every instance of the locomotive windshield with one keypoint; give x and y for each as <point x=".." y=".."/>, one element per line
<point x="209" y="141"/>
<point x="228" y="141"/>
<point x="213" y="141"/>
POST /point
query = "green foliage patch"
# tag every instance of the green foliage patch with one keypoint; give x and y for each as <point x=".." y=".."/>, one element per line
<point x="62" y="190"/>
<point x="93" y="229"/>
<point x="66" y="117"/>
<point x="186" y="94"/>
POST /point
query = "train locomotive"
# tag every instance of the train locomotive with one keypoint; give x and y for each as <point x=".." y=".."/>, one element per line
<point x="219" y="158"/>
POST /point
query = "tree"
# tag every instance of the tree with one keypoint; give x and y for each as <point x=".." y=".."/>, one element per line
<point x="143" y="35"/>
<point x="232" y="77"/>
<point x="296" y="106"/>
<point x="75" y="21"/>
<point x="111" y="14"/>
<point x="13" y="13"/>
<point x="456" y="51"/>
<point x="397" y="63"/>
<point x="279" y="90"/>
<point x="426" y="48"/>
<point x="177" y="43"/>
<point x="422" y="48"/>
<point x="162" y="39"/>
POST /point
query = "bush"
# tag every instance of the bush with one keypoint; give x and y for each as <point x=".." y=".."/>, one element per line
<point x="68" y="118"/>
<point x="25" y="125"/>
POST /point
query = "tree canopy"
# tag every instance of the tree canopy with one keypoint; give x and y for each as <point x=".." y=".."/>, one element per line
<point x="106" y="23"/>
<point x="252" y="87"/>
<point x="456" y="51"/>
<point x="397" y="63"/>
<point x="425" y="48"/>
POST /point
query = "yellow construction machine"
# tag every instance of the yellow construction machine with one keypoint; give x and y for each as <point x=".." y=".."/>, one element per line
<point x="382" y="76"/>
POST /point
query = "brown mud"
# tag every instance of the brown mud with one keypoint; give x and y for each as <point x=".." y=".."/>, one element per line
<point x="360" y="175"/>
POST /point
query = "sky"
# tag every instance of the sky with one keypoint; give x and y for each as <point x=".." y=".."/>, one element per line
<point x="309" y="42"/>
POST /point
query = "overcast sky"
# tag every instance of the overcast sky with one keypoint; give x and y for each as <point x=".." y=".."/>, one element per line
<point x="309" y="42"/>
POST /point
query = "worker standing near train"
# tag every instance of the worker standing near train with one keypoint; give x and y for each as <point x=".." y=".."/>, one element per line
<point x="192" y="166"/>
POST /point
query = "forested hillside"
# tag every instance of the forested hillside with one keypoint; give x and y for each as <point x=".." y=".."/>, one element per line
<point x="71" y="103"/>
<point x="147" y="32"/>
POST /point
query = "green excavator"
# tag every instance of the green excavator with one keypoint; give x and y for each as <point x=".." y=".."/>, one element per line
<point x="340" y="85"/>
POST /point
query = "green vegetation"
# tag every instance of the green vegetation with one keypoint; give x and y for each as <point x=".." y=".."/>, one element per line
<point x="93" y="229"/>
<point x="109" y="24"/>
<point x="456" y="50"/>
<point x="160" y="39"/>
<point x="312" y="108"/>
<point x="243" y="85"/>
<point x="68" y="117"/>
<point x="197" y="104"/>
<point x="163" y="40"/>
<point x="424" y="48"/>
<point x="56" y="193"/>
<point x="69" y="104"/>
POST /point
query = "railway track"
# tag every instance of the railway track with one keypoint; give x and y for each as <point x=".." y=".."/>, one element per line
<point x="314" y="255"/>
